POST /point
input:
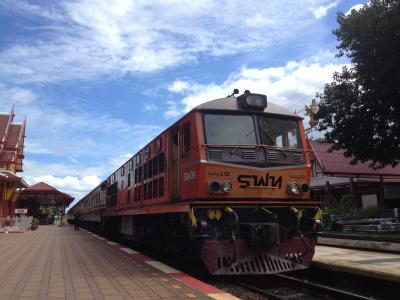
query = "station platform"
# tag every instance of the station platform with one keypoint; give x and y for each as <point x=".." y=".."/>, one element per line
<point x="366" y="263"/>
<point x="60" y="263"/>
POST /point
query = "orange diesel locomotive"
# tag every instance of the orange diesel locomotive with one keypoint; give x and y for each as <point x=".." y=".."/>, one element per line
<point x="227" y="183"/>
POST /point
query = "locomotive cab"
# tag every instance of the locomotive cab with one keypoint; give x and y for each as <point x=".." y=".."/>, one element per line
<point x="252" y="210"/>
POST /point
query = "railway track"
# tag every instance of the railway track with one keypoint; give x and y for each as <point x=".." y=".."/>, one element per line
<point x="290" y="288"/>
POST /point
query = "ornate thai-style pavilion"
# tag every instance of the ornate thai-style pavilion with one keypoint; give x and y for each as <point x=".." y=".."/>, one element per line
<point x="12" y="137"/>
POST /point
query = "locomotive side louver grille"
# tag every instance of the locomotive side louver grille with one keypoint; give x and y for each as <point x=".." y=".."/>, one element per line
<point x="248" y="154"/>
<point x="214" y="154"/>
<point x="297" y="157"/>
<point x="272" y="155"/>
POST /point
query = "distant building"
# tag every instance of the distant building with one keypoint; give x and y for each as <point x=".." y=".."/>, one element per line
<point x="43" y="195"/>
<point x="12" y="137"/>
<point x="333" y="176"/>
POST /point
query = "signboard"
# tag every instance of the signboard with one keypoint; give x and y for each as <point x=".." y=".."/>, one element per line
<point x="21" y="211"/>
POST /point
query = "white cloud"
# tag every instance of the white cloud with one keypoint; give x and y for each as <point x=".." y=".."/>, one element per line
<point x="322" y="11"/>
<point x="75" y="186"/>
<point x="259" y="20"/>
<point x="172" y="110"/>
<point x="74" y="179"/>
<point x="92" y="39"/>
<point x="16" y="95"/>
<point x="73" y="131"/>
<point x="178" y="86"/>
<point x="355" y="7"/>
<point x="150" y="107"/>
<point x="291" y="85"/>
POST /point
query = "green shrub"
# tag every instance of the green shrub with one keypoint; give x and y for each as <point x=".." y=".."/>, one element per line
<point x="344" y="206"/>
<point x="369" y="212"/>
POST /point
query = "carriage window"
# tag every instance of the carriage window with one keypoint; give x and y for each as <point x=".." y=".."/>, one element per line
<point x="229" y="129"/>
<point x="279" y="133"/>
<point x="145" y="191"/>
<point x="123" y="171"/>
<point x="140" y="174"/>
<point x="155" y="166"/>
<point x="150" y="168"/>
<point x="186" y="139"/>
<point x="130" y="164"/>
<point x="145" y="171"/>
<point x="150" y="190"/>
<point x="147" y="152"/>
<point x="161" y="187"/>
<point x="129" y="179"/>
<point x="161" y="162"/>
<point x="155" y="188"/>
<point x="158" y="145"/>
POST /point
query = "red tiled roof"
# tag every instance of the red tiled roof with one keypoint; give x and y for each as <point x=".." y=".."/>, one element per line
<point x="4" y="118"/>
<point x="336" y="164"/>
<point x="13" y="136"/>
<point x="9" y="176"/>
<point x="44" y="193"/>
<point x="43" y="187"/>
<point x="11" y="142"/>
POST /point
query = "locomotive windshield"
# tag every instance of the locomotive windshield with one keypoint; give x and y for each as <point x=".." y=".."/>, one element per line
<point x="229" y="129"/>
<point x="240" y="130"/>
<point x="279" y="133"/>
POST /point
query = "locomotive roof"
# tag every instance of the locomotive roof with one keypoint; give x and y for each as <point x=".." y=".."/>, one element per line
<point x="232" y="104"/>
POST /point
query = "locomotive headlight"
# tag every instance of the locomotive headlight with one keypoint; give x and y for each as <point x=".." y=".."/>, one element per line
<point x="304" y="187"/>
<point x="226" y="186"/>
<point x="214" y="186"/>
<point x="252" y="101"/>
<point x="294" y="188"/>
<point x="256" y="100"/>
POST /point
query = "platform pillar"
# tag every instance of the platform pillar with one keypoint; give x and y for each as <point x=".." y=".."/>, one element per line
<point x="12" y="209"/>
<point x="4" y="208"/>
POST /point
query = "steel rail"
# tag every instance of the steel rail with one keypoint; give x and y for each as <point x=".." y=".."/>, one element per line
<point x="270" y="295"/>
<point x="341" y="294"/>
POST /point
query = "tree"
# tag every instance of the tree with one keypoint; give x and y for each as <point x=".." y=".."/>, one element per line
<point x="360" y="108"/>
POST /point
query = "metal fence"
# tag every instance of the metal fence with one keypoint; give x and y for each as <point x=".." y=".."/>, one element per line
<point x="17" y="224"/>
<point x="389" y="213"/>
<point x="385" y="221"/>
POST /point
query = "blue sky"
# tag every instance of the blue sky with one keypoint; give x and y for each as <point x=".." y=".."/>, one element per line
<point x="98" y="79"/>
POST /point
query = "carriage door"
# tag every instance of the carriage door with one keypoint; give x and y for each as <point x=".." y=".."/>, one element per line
<point x="174" y="165"/>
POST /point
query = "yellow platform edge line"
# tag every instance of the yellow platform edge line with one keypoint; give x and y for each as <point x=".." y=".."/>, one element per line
<point x="223" y="296"/>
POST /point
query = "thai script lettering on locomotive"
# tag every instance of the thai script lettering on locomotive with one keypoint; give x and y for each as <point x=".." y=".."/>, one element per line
<point x="260" y="181"/>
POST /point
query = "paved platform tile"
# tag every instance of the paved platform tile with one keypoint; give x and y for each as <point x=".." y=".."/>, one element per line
<point x="367" y="263"/>
<point x="60" y="263"/>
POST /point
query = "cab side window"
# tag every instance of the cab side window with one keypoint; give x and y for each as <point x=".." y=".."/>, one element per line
<point x="186" y="139"/>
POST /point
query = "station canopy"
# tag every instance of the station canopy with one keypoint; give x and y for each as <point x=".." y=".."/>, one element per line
<point x="43" y="194"/>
